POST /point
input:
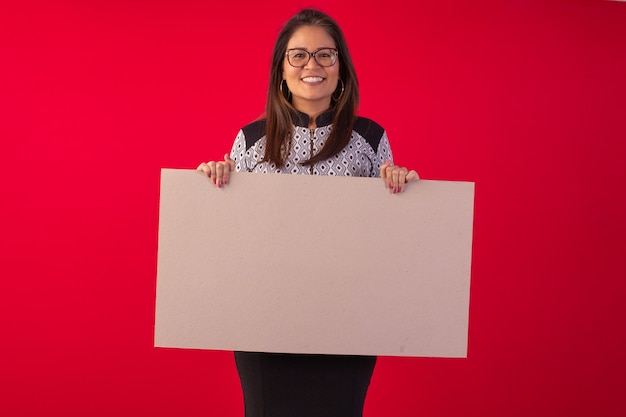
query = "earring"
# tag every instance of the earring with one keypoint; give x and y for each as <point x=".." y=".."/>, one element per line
<point x="340" y="94"/>
<point x="288" y="95"/>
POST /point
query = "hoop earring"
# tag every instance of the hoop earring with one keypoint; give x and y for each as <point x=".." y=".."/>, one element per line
<point x="288" y="95"/>
<point x="340" y="94"/>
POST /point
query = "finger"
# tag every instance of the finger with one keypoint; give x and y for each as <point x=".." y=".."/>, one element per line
<point x="407" y="176"/>
<point x="383" y="171"/>
<point x="395" y="179"/>
<point x="219" y="173"/>
<point x="229" y="165"/>
<point x="230" y="162"/>
<point x="211" y="166"/>
<point x="389" y="178"/>
<point x="401" y="179"/>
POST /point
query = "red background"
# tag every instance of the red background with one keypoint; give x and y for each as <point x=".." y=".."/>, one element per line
<point x="526" y="98"/>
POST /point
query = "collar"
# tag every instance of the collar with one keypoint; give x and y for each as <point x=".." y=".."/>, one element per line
<point x="324" y="119"/>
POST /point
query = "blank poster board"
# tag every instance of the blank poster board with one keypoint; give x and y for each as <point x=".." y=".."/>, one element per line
<point x="313" y="264"/>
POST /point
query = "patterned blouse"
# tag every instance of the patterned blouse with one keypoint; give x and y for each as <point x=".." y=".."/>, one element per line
<point x="367" y="150"/>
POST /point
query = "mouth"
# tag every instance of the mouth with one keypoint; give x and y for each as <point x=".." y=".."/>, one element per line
<point x="312" y="79"/>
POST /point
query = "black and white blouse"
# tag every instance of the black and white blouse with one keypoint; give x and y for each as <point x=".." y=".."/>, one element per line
<point x="367" y="150"/>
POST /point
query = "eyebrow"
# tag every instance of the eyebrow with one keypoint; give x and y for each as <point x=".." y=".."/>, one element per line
<point x="306" y="49"/>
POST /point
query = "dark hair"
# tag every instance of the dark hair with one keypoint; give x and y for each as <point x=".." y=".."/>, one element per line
<point x="280" y="112"/>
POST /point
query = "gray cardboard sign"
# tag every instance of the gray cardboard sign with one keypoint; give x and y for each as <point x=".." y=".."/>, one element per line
<point x="314" y="264"/>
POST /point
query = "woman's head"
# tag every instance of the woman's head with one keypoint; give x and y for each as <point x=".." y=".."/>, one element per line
<point x="326" y="84"/>
<point x="309" y="31"/>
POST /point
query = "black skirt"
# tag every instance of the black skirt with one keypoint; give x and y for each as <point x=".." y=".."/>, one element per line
<point x="296" y="385"/>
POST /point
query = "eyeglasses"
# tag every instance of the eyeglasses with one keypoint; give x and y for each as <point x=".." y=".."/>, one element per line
<point x="299" y="57"/>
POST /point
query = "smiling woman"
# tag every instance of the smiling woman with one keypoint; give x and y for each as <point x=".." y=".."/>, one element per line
<point x="311" y="128"/>
<point x="311" y="124"/>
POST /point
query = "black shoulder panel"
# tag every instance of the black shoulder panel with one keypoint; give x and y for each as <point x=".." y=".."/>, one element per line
<point x="253" y="132"/>
<point x="370" y="130"/>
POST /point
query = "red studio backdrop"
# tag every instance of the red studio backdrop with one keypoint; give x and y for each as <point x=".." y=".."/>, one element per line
<point x="525" y="98"/>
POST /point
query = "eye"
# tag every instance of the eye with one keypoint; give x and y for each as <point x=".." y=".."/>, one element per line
<point x="297" y="54"/>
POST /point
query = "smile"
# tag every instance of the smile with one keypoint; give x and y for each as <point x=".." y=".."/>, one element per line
<point x="313" y="79"/>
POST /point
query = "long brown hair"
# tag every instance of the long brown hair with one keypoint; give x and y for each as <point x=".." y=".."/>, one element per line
<point x="280" y="112"/>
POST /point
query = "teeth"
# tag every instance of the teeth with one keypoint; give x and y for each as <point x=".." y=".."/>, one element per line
<point x="312" y="79"/>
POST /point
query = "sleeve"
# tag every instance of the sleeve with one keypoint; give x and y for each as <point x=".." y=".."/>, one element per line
<point x="383" y="154"/>
<point x="238" y="152"/>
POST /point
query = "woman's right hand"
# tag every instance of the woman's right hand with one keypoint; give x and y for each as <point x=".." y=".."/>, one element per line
<point x="218" y="172"/>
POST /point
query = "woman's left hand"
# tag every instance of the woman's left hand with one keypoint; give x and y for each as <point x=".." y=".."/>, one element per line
<point x="395" y="177"/>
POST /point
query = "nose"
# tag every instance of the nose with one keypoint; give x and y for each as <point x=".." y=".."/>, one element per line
<point x="312" y="62"/>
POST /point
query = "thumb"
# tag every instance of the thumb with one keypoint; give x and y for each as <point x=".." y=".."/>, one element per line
<point x="230" y="162"/>
<point x="412" y="176"/>
<point x="383" y="169"/>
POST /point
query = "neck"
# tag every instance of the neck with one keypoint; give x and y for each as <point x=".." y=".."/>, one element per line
<point x="312" y="110"/>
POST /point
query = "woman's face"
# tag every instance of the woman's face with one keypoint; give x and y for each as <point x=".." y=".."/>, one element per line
<point x="312" y="85"/>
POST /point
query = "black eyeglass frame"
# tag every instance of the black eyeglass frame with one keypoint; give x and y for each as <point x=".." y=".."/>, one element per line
<point x="312" y="54"/>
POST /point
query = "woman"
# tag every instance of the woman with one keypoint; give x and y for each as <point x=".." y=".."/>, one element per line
<point x="311" y="128"/>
